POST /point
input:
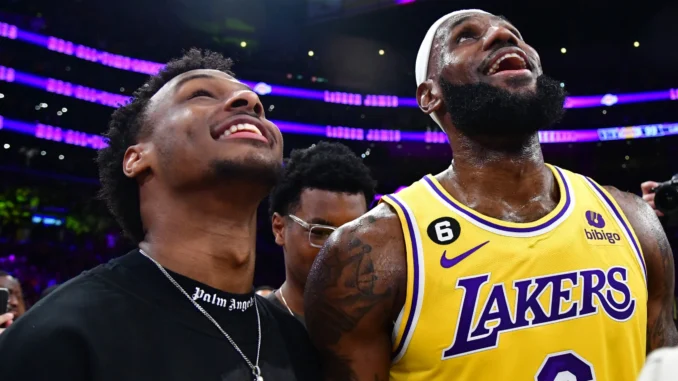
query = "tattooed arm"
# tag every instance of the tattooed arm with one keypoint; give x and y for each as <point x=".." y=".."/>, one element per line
<point x="661" y="330"/>
<point x="353" y="294"/>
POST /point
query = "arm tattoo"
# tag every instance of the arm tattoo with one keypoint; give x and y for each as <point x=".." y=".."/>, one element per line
<point x="663" y="332"/>
<point x="345" y="287"/>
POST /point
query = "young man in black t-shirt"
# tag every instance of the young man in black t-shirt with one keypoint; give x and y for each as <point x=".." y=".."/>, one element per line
<point x="323" y="187"/>
<point x="188" y="162"/>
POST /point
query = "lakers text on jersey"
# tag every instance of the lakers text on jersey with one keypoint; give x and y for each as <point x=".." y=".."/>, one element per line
<point x="559" y="299"/>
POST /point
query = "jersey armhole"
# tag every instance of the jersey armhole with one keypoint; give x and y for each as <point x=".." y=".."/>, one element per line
<point x="625" y="226"/>
<point x="405" y="324"/>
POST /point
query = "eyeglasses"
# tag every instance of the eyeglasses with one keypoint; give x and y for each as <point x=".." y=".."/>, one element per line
<point x="317" y="234"/>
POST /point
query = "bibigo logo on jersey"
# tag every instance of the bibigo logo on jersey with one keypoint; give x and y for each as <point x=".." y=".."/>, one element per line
<point x="596" y="234"/>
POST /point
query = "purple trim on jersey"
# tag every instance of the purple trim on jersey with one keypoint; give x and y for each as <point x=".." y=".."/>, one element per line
<point x="415" y="287"/>
<point x="621" y="220"/>
<point x="452" y="203"/>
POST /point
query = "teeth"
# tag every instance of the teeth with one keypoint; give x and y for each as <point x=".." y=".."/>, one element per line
<point x="495" y="66"/>
<point x="240" y="127"/>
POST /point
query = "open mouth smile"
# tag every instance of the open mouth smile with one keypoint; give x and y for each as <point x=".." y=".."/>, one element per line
<point x="511" y="61"/>
<point x="241" y="127"/>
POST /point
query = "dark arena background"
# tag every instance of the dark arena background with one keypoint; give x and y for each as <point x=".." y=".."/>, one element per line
<point x="337" y="70"/>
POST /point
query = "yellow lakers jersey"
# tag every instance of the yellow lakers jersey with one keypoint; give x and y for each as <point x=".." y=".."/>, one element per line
<point x="559" y="299"/>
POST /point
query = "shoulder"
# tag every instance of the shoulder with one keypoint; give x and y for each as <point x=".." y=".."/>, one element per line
<point x="372" y="242"/>
<point x="270" y="308"/>
<point x="380" y="227"/>
<point x="642" y="218"/>
<point x="362" y="265"/>
<point x="53" y="336"/>
<point x="69" y="305"/>
<point x="654" y="245"/>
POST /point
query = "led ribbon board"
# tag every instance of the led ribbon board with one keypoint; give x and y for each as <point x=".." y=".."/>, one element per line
<point x="370" y="100"/>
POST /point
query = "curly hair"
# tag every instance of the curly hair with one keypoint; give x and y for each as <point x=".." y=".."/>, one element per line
<point x="325" y="166"/>
<point x="128" y="125"/>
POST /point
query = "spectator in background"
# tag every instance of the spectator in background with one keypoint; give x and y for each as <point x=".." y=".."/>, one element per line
<point x="323" y="187"/>
<point x="648" y="195"/>
<point x="17" y="305"/>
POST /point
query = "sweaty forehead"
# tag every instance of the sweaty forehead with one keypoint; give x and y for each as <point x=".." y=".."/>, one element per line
<point x="205" y="74"/>
<point x="464" y="18"/>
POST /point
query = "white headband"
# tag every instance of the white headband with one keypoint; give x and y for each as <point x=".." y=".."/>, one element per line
<point x="421" y="66"/>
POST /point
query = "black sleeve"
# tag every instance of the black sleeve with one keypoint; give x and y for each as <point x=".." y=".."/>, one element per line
<point x="37" y="347"/>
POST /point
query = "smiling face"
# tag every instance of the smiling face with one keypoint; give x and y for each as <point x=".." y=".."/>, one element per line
<point x="483" y="48"/>
<point x="204" y="126"/>
<point x="488" y="79"/>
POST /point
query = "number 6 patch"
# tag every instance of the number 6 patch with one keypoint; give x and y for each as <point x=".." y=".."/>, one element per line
<point x="444" y="230"/>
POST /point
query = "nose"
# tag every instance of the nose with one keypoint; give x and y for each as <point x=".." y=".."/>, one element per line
<point x="499" y="36"/>
<point x="245" y="101"/>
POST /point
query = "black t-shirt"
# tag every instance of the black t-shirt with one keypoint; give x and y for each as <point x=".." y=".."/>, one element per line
<point x="276" y="302"/>
<point x="126" y="321"/>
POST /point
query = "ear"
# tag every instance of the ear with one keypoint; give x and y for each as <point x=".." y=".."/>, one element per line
<point x="136" y="160"/>
<point x="278" y="225"/>
<point x="428" y="97"/>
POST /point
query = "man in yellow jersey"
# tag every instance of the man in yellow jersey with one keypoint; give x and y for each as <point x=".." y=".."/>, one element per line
<point x="501" y="267"/>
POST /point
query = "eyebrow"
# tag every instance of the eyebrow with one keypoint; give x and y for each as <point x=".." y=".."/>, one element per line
<point x="320" y="221"/>
<point x="463" y="19"/>
<point x="191" y="77"/>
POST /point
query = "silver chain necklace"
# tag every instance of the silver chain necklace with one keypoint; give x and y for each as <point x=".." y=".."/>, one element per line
<point x="256" y="371"/>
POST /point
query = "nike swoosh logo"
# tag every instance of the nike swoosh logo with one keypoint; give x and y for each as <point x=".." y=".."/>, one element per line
<point x="447" y="262"/>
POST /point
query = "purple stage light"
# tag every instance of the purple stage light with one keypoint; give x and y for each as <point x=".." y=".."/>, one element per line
<point x="85" y="93"/>
<point x="8" y="30"/>
<point x="381" y="100"/>
<point x="336" y="132"/>
<point x="56" y="134"/>
<point x="148" y="67"/>
<point x="83" y="139"/>
<point x="343" y="98"/>
<point x="7" y="74"/>
<point x="63" y="88"/>
<point x="72" y="137"/>
<point x="299" y="128"/>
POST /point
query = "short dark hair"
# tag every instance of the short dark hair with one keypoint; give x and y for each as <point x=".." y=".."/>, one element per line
<point x="127" y="125"/>
<point x="325" y="166"/>
<point x="4" y="273"/>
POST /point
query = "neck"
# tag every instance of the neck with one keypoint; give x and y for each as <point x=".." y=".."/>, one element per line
<point x="502" y="179"/>
<point x="294" y="294"/>
<point x="207" y="236"/>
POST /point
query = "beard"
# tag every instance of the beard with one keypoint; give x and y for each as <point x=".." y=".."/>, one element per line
<point x="483" y="110"/>
<point x="264" y="173"/>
